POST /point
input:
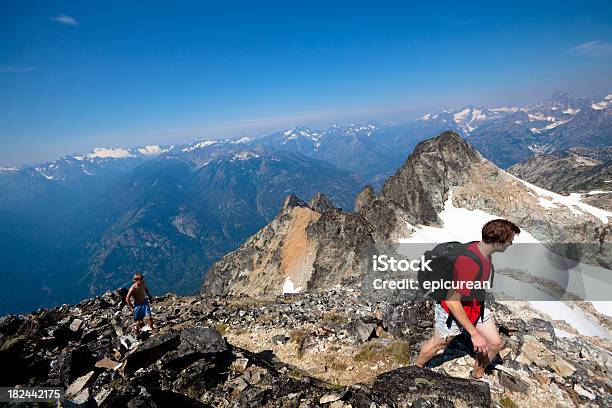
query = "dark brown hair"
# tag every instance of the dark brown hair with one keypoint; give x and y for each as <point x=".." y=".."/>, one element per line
<point x="499" y="231"/>
<point x="138" y="276"/>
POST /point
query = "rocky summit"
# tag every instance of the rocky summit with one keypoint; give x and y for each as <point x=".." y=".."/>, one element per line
<point x="331" y="348"/>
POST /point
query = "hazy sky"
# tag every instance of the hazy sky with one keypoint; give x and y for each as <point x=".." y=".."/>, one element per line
<point x="79" y="74"/>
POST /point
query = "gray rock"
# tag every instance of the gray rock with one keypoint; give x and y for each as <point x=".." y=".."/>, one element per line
<point x="76" y="325"/>
<point x="151" y="350"/>
<point x="362" y="331"/>
<point x="197" y="343"/>
<point x="512" y="383"/>
<point x="407" y="384"/>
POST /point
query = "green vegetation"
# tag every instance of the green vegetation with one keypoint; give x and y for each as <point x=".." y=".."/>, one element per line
<point x="298" y="336"/>
<point x="334" y="317"/>
<point x="506" y="402"/>
<point x="221" y="328"/>
<point x="371" y="352"/>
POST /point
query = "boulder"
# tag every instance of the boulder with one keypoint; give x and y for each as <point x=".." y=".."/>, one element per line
<point x="403" y="386"/>
<point x="71" y="364"/>
<point x="76" y="325"/>
<point x="513" y="383"/>
<point x="280" y="339"/>
<point x="152" y="350"/>
<point x="77" y="386"/>
<point x="409" y="319"/>
<point x="362" y="331"/>
<point x="197" y="343"/>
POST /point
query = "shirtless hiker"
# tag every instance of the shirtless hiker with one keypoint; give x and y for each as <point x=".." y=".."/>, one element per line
<point x="141" y="304"/>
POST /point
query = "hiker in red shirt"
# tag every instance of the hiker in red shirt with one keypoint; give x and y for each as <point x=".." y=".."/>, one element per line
<point x="461" y="311"/>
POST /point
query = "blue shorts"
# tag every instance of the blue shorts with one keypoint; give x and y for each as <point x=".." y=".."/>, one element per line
<point x="140" y="311"/>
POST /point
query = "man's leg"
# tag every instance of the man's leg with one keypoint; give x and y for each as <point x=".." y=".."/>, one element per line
<point x="149" y="320"/>
<point x="137" y="325"/>
<point x="431" y="347"/>
<point x="489" y="331"/>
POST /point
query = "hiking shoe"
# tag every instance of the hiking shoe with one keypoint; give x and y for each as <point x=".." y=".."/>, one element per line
<point x="494" y="385"/>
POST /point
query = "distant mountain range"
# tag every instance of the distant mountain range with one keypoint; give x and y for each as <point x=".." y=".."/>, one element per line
<point x="84" y="223"/>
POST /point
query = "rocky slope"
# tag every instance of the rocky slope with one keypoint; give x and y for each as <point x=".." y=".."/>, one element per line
<point x="587" y="171"/>
<point x="333" y="348"/>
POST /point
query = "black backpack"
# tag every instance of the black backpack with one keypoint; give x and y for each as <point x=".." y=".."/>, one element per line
<point x="443" y="257"/>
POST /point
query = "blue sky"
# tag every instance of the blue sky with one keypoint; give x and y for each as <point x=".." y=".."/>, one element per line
<point x="79" y="74"/>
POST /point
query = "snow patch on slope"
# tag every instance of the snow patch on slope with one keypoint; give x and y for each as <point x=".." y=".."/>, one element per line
<point x="603" y="307"/>
<point x="579" y="320"/>
<point x="288" y="287"/>
<point x="459" y="224"/>
<point x="572" y="201"/>
<point x="199" y="144"/>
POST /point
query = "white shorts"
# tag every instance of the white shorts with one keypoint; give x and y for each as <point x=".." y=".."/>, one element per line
<point x="440" y="322"/>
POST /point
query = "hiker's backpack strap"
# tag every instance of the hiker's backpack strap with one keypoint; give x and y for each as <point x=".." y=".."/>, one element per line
<point x="476" y="259"/>
<point x="466" y="252"/>
<point x="449" y="319"/>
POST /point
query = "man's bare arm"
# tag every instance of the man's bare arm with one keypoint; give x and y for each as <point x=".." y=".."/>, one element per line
<point x="128" y="296"/>
<point x="146" y="288"/>
<point x="453" y="301"/>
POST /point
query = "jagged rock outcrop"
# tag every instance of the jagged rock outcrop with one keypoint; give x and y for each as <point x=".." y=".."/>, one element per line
<point x="419" y="186"/>
<point x="320" y="203"/>
<point x="413" y="386"/>
<point x="307" y="246"/>
<point x="416" y="193"/>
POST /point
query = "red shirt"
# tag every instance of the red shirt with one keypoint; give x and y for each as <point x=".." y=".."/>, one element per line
<point x="467" y="270"/>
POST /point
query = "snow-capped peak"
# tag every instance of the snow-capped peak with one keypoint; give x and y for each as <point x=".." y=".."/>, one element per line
<point x="244" y="155"/>
<point x="197" y="144"/>
<point x="367" y="129"/>
<point x="602" y="104"/>
<point x="244" y="139"/>
<point x="353" y="129"/>
<point x="295" y="132"/>
<point x="430" y="116"/>
<point x="152" y="150"/>
<point x="470" y="118"/>
<point x="108" y="153"/>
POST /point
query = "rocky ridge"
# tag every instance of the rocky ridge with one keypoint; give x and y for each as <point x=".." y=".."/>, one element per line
<point x="332" y="348"/>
